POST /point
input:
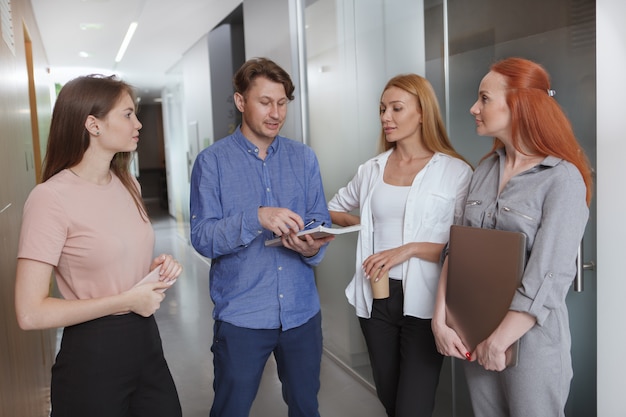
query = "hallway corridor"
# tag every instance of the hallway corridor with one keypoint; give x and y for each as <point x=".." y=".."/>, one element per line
<point x="187" y="329"/>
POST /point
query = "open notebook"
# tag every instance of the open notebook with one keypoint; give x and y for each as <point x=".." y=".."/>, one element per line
<point x="317" y="233"/>
<point x="485" y="267"/>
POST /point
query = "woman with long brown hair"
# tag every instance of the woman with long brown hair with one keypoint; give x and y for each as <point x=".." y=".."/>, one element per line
<point x="408" y="197"/>
<point x="87" y="224"/>
<point x="537" y="181"/>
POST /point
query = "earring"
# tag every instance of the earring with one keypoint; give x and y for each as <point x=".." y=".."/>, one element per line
<point x="98" y="133"/>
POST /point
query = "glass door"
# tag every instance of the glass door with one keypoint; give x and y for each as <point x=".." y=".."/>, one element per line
<point x="354" y="46"/>
<point x="559" y="34"/>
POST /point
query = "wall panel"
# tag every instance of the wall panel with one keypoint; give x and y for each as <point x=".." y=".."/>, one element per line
<point x="25" y="357"/>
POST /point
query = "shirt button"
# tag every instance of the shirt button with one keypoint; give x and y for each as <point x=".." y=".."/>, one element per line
<point x="267" y="189"/>
<point x="256" y="150"/>
<point x="280" y="268"/>
<point x="280" y="296"/>
<point x="259" y="231"/>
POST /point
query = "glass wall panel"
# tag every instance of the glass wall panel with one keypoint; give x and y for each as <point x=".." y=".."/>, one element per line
<point x="354" y="46"/>
<point x="559" y="34"/>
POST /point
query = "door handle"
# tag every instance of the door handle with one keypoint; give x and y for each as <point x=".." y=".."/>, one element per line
<point x="581" y="267"/>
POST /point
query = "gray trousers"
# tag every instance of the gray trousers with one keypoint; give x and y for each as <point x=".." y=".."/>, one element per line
<point x="539" y="384"/>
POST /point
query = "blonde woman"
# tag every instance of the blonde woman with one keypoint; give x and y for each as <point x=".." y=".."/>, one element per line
<point x="408" y="197"/>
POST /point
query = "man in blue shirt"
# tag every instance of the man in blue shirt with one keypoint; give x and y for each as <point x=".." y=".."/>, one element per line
<point x="247" y="188"/>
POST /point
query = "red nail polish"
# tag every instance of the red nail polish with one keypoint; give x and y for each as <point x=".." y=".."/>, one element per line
<point x="468" y="355"/>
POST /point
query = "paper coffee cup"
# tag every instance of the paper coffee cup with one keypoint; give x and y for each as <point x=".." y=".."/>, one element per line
<point x="380" y="288"/>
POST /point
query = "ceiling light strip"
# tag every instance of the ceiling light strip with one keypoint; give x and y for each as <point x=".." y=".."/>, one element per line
<point x="126" y="41"/>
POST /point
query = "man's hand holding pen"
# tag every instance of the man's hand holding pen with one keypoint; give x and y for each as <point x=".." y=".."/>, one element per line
<point x="285" y="224"/>
<point x="280" y="220"/>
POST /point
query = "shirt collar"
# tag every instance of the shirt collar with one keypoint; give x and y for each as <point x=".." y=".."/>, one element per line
<point x="549" y="161"/>
<point x="381" y="158"/>
<point x="250" y="147"/>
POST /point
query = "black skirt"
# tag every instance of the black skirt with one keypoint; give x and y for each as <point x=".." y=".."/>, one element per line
<point x="113" y="367"/>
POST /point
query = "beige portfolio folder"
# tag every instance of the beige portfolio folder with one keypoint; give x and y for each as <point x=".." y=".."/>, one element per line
<point x="485" y="267"/>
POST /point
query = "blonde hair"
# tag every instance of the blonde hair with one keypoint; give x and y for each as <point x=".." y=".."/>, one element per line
<point x="434" y="133"/>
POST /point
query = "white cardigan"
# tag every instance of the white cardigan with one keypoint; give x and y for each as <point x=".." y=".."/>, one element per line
<point x="436" y="200"/>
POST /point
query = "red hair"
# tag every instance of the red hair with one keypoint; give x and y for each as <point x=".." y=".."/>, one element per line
<point x="536" y="117"/>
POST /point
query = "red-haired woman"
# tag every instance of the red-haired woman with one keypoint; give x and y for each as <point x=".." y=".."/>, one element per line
<point x="536" y="180"/>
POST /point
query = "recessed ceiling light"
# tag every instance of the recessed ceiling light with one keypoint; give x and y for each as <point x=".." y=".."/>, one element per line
<point x="90" y="26"/>
<point x="83" y="54"/>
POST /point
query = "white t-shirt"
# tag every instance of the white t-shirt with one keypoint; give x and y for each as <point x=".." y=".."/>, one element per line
<point x="388" y="205"/>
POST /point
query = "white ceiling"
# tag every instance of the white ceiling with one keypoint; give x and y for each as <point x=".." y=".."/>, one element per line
<point x="166" y="30"/>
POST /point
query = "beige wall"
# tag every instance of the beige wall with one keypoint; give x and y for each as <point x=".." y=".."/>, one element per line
<point x="25" y="357"/>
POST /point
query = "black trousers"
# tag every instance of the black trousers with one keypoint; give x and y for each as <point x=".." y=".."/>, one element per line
<point x="403" y="355"/>
<point x="113" y="367"/>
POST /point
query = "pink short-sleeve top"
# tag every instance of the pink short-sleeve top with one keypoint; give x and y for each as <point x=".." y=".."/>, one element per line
<point x="93" y="235"/>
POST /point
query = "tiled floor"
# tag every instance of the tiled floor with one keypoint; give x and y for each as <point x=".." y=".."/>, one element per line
<point x="186" y="329"/>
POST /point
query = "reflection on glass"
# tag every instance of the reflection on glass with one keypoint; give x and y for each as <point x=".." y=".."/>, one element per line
<point x="354" y="46"/>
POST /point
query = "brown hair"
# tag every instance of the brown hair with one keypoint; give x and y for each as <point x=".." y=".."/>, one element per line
<point x="536" y="117"/>
<point x="434" y="132"/>
<point x="81" y="97"/>
<point x="261" y="67"/>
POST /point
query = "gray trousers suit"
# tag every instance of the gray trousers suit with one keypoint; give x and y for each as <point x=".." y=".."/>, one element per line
<point x="548" y="204"/>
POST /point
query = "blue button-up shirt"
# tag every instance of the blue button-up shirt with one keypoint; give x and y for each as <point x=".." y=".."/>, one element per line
<point x="252" y="285"/>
